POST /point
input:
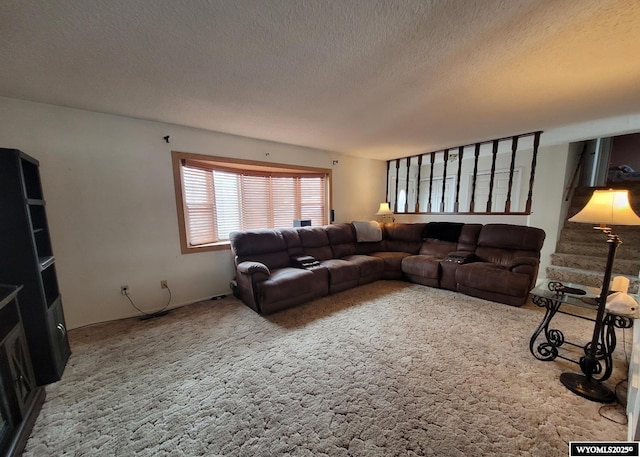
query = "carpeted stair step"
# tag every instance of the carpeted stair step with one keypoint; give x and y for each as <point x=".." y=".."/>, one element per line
<point x="573" y="231"/>
<point x="624" y="251"/>
<point x="584" y="277"/>
<point x="581" y="251"/>
<point x="629" y="267"/>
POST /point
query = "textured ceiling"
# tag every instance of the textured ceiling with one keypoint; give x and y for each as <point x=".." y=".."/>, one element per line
<point x="380" y="79"/>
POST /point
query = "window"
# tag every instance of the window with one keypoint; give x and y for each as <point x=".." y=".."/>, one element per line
<point x="217" y="195"/>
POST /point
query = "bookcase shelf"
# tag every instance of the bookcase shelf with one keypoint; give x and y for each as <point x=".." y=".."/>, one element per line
<point x="27" y="258"/>
<point x="46" y="262"/>
<point x="20" y="398"/>
<point x="31" y="174"/>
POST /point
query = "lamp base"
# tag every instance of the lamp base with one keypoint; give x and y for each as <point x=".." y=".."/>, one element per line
<point x="588" y="388"/>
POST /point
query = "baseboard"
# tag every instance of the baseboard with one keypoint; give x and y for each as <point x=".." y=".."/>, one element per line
<point x="170" y="307"/>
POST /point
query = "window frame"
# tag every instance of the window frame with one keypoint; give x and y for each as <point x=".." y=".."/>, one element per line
<point x="235" y="164"/>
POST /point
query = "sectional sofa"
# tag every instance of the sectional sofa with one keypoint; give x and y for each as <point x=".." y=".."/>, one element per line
<point x="281" y="268"/>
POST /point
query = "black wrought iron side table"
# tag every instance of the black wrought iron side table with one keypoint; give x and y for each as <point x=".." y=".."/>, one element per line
<point x="546" y="340"/>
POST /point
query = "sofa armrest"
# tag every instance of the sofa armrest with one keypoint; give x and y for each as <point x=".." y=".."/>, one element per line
<point x="527" y="266"/>
<point x="459" y="257"/>
<point x="523" y="263"/>
<point x="251" y="268"/>
<point x="248" y="275"/>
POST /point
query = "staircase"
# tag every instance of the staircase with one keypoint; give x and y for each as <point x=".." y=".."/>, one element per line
<point x="581" y="252"/>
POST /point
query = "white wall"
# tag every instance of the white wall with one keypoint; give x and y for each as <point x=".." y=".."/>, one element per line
<point x="109" y="190"/>
<point x="111" y="205"/>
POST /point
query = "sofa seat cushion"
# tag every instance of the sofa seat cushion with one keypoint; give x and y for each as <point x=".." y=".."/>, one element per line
<point x="492" y="278"/>
<point x="342" y="274"/>
<point x="425" y="266"/>
<point x="392" y="263"/>
<point x="437" y="248"/>
<point x="284" y="283"/>
<point x="370" y="268"/>
<point x="289" y="287"/>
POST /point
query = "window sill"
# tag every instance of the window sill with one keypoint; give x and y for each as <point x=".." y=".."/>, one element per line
<point x="219" y="246"/>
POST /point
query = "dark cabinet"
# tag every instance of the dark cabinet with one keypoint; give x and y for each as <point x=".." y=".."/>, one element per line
<point x="26" y="258"/>
<point x="20" y="398"/>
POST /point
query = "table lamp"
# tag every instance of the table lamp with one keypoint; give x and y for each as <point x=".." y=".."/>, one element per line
<point x="606" y="207"/>
<point x="385" y="211"/>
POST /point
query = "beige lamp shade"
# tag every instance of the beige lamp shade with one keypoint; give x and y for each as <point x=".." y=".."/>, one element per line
<point x="608" y="207"/>
<point x="384" y="210"/>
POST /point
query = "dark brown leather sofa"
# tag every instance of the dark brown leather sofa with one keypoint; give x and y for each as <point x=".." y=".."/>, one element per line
<point x="281" y="268"/>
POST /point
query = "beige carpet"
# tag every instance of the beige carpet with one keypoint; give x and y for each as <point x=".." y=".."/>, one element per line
<point x="387" y="369"/>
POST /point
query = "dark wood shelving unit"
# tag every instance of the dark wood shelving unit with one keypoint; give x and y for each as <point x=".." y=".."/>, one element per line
<point x="27" y="259"/>
<point x="20" y="398"/>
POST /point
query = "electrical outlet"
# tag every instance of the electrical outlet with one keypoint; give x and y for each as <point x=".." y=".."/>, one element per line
<point x="124" y="290"/>
<point x="163" y="284"/>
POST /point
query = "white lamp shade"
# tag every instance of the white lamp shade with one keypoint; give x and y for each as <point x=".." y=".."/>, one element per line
<point x="608" y="207"/>
<point x="384" y="209"/>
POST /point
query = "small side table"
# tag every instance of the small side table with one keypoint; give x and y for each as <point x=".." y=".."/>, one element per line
<point x="546" y="341"/>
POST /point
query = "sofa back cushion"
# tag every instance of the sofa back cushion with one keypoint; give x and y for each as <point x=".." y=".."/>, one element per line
<point x="501" y="243"/>
<point x="264" y="245"/>
<point x="292" y="241"/>
<point x="367" y="231"/>
<point x="315" y="242"/>
<point x="441" y="238"/>
<point x="342" y="239"/>
<point x="468" y="240"/>
<point x="400" y="237"/>
<point x="443" y="231"/>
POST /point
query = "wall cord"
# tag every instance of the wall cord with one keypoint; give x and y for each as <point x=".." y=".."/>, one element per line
<point x="126" y="293"/>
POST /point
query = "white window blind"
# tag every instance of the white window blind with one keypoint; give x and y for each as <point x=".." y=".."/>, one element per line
<point x="199" y="205"/>
<point x="219" y="200"/>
